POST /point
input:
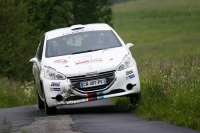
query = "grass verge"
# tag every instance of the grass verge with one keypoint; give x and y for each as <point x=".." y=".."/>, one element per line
<point x="16" y="94"/>
<point x="170" y="92"/>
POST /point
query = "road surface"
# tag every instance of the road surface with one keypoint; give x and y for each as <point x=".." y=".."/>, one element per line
<point x="93" y="117"/>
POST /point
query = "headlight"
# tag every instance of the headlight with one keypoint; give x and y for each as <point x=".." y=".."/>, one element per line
<point x="51" y="73"/>
<point x="126" y="63"/>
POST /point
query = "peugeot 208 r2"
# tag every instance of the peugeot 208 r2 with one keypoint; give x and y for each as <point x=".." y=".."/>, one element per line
<point x="83" y="63"/>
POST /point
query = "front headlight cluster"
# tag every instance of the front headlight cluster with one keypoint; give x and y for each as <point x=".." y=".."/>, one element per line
<point x="126" y="63"/>
<point x="51" y="73"/>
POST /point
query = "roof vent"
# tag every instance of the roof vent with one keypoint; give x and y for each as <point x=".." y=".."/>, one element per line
<point x="77" y="27"/>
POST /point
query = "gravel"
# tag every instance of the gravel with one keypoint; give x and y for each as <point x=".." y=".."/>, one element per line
<point x="50" y="124"/>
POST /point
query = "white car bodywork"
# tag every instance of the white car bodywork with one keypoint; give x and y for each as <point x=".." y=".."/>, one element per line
<point x="60" y="78"/>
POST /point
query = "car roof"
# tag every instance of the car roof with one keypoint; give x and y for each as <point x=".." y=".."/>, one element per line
<point x="96" y="26"/>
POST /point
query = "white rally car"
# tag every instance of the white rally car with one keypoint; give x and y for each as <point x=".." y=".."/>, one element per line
<point x="83" y="63"/>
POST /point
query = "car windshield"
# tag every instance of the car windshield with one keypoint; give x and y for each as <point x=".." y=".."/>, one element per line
<point x="81" y="42"/>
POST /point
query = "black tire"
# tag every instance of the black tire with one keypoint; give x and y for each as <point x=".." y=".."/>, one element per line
<point x="40" y="102"/>
<point x="50" y="110"/>
<point x="134" y="98"/>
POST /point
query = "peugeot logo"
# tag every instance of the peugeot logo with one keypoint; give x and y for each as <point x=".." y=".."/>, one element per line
<point x="90" y="74"/>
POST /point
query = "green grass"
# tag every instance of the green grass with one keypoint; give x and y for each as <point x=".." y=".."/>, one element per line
<point x="15" y="94"/>
<point x="170" y="92"/>
<point x="166" y="35"/>
<point x="159" y="29"/>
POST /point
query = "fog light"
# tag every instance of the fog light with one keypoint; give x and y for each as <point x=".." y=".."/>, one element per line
<point x="59" y="98"/>
<point x="129" y="86"/>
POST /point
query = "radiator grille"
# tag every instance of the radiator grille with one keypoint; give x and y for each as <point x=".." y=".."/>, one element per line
<point x="109" y="75"/>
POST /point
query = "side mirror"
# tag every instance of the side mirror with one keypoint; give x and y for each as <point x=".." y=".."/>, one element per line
<point x="33" y="60"/>
<point x="128" y="45"/>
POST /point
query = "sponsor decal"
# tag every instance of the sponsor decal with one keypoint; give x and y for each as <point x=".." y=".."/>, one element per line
<point x="130" y="76"/>
<point x="88" y="61"/>
<point x="76" y="101"/>
<point x="129" y="72"/>
<point x="81" y="30"/>
<point x="56" y="89"/>
<point x="61" y="61"/>
<point x="95" y="96"/>
<point x="55" y="84"/>
<point x="91" y="97"/>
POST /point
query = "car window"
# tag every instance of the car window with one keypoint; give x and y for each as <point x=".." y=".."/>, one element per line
<point x="81" y="42"/>
<point x="40" y="49"/>
<point x="75" y="40"/>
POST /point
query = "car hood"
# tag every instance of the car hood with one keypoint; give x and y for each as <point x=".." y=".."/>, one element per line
<point x="83" y="63"/>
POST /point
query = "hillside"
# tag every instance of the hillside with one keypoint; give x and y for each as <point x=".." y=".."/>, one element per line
<point x="159" y="29"/>
<point x="166" y="35"/>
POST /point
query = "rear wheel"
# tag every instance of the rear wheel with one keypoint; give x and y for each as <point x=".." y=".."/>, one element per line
<point x="134" y="98"/>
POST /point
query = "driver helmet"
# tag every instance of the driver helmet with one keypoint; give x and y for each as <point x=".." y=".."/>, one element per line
<point x="100" y="38"/>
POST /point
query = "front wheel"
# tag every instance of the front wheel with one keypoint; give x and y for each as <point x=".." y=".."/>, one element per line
<point x="134" y="98"/>
<point x="40" y="102"/>
<point x="50" y="110"/>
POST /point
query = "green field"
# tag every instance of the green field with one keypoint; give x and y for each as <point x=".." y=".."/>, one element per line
<point x="159" y="29"/>
<point x="166" y="35"/>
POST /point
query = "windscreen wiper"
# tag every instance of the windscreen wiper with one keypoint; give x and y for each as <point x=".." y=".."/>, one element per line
<point x="83" y="51"/>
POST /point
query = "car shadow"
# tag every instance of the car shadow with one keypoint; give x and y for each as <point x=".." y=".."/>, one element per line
<point x="94" y="107"/>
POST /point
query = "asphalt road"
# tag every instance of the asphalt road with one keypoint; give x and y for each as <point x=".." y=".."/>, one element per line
<point x="93" y="117"/>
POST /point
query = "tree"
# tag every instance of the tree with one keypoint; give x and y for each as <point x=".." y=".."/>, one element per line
<point x="21" y="29"/>
<point x="50" y="14"/>
<point x="92" y="11"/>
<point x="13" y="29"/>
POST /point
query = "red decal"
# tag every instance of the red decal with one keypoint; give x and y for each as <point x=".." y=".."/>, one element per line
<point x="90" y="99"/>
<point x="62" y="61"/>
<point x="89" y="61"/>
<point x="89" y="94"/>
<point x="82" y="62"/>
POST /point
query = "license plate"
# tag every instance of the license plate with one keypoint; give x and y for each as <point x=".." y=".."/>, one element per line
<point x="92" y="83"/>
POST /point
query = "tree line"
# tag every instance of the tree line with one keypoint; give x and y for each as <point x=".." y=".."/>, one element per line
<point x="119" y="1"/>
<point x="22" y="23"/>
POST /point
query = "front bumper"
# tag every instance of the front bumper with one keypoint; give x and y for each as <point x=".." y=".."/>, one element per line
<point x="125" y="82"/>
